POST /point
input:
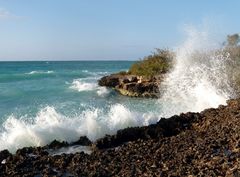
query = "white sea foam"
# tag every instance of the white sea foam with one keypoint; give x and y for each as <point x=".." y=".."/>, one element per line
<point x="71" y="149"/>
<point x="96" y="73"/>
<point x="195" y="83"/>
<point x="85" y="85"/>
<point x="40" y="72"/>
<point x="81" y="85"/>
<point x="48" y="125"/>
<point x="102" y="91"/>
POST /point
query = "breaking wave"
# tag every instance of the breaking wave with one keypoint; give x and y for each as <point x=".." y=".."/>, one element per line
<point x="82" y="85"/>
<point x="199" y="79"/>
<point x="48" y="125"/>
<point x="40" y="72"/>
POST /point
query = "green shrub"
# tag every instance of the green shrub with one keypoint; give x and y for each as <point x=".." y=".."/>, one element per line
<point x="159" y="62"/>
<point x="122" y="73"/>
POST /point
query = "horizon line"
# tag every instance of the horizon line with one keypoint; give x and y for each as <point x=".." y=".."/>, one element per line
<point x="68" y="60"/>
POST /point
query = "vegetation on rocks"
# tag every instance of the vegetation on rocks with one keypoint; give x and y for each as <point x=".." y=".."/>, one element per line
<point x="145" y="76"/>
<point x="159" y="62"/>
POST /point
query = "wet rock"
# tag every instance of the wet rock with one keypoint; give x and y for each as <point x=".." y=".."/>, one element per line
<point x="133" y="86"/>
<point x="109" y="81"/>
<point x="83" y="141"/>
<point x="56" y="145"/>
<point x="190" y="144"/>
<point x="4" y="154"/>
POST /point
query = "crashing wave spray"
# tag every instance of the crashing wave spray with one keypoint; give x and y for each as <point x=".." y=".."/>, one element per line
<point x="50" y="124"/>
<point x="199" y="79"/>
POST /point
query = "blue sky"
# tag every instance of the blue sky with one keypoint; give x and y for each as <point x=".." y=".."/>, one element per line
<point x="105" y="29"/>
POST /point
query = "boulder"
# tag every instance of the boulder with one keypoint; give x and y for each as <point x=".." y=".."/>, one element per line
<point x="109" y="81"/>
<point x="83" y="141"/>
<point x="4" y="154"/>
<point x="133" y="86"/>
<point x="57" y="145"/>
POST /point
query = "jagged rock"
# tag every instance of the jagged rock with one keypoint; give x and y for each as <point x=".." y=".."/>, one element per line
<point x="83" y="140"/>
<point x="4" y="154"/>
<point x="109" y="81"/>
<point x="190" y="144"/>
<point x="133" y="86"/>
<point x="56" y="145"/>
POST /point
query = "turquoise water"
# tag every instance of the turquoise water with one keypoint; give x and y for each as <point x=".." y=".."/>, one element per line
<point x="43" y="101"/>
<point x="27" y="86"/>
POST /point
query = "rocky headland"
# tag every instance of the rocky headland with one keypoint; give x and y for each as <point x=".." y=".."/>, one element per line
<point x="190" y="144"/>
<point x="144" y="77"/>
<point x="133" y="85"/>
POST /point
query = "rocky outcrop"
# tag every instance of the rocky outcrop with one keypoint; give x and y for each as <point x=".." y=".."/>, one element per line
<point x="191" y="144"/>
<point x="133" y="86"/>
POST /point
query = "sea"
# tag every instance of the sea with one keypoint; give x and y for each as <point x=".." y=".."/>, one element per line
<point x="42" y="101"/>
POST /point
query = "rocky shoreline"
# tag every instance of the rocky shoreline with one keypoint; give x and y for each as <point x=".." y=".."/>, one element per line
<point x="132" y="85"/>
<point x="190" y="144"/>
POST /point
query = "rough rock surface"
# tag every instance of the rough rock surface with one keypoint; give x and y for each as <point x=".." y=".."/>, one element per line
<point x="191" y="144"/>
<point x="131" y="85"/>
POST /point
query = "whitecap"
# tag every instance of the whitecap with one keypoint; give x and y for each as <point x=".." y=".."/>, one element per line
<point x="80" y="85"/>
<point x="84" y="84"/>
<point x="102" y="91"/>
<point x="48" y="124"/>
<point x="40" y="72"/>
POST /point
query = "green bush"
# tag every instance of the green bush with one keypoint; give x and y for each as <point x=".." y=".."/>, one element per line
<point x="122" y="73"/>
<point x="159" y="62"/>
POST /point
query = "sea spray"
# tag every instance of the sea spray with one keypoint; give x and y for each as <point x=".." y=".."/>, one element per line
<point x="197" y="81"/>
<point x="83" y="85"/>
<point x="49" y="125"/>
<point x="80" y="85"/>
<point x="199" y="78"/>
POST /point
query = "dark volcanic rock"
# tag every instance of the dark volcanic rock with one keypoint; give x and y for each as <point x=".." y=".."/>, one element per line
<point x="4" y="154"/>
<point x="164" y="128"/>
<point x="191" y="144"/>
<point x="109" y="81"/>
<point x="56" y="145"/>
<point x="131" y="85"/>
<point x="83" y="141"/>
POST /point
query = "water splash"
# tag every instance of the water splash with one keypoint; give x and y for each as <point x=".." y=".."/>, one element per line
<point x="49" y="124"/>
<point x="83" y="85"/>
<point x="199" y="78"/>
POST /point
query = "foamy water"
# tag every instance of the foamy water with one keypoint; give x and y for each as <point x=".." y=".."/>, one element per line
<point x="83" y="86"/>
<point x="71" y="104"/>
<point x="49" y="125"/>
<point x="40" y="72"/>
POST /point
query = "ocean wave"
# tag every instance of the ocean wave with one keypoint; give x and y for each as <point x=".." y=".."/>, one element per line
<point x="96" y="73"/>
<point x="80" y="85"/>
<point x="48" y="124"/>
<point x="83" y="85"/>
<point x="102" y="91"/>
<point x="40" y="72"/>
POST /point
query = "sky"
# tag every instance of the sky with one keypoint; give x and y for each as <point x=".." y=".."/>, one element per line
<point x="105" y="29"/>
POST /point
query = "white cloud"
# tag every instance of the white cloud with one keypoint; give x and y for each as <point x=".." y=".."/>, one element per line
<point x="5" y="14"/>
